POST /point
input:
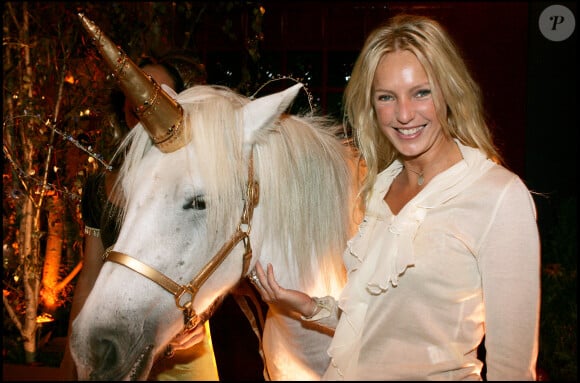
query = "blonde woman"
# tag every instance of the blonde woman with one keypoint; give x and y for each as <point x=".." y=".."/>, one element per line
<point x="448" y="254"/>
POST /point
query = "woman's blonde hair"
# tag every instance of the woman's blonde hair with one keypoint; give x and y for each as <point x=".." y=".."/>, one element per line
<point x="457" y="97"/>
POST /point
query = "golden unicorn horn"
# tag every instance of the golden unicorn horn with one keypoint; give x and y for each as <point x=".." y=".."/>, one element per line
<point x="160" y="114"/>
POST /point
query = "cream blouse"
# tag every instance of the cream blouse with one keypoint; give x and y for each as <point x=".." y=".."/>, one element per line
<point x="461" y="260"/>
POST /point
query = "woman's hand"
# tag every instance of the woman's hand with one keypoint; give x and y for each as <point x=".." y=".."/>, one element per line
<point x="186" y="339"/>
<point x="273" y="293"/>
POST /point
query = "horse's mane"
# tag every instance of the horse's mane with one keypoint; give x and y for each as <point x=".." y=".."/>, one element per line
<point x="302" y="166"/>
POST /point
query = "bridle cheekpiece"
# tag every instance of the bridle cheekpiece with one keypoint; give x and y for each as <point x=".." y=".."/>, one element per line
<point x="242" y="234"/>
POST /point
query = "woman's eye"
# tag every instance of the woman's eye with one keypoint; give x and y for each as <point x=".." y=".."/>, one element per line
<point x="385" y="97"/>
<point x="423" y="93"/>
<point x="197" y="203"/>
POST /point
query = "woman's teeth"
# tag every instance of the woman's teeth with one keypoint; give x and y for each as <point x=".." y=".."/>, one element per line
<point x="409" y="132"/>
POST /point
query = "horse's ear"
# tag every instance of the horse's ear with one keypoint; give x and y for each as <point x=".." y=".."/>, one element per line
<point x="264" y="110"/>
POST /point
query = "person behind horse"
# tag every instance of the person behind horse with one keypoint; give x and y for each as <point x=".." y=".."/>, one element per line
<point x="447" y="258"/>
<point x="192" y="354"/>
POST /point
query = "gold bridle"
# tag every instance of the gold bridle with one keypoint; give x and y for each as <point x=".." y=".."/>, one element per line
<point x="180" y="292"/>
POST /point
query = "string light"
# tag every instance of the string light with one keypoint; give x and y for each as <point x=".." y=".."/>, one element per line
<point x="296" y="80"/>
<point x="36" y="181"/>
<point x="88" y="150"/>
<point x="71" y="139"/>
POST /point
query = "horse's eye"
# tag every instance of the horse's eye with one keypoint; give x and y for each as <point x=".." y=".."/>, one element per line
<point x="197" y="203"/>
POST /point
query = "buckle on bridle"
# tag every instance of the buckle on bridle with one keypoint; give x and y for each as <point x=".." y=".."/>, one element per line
<point x="183" y="290"/>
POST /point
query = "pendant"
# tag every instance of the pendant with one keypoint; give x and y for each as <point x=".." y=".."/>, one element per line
<point x="420" y="180"/>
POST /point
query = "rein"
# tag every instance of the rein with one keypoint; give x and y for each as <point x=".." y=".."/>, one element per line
<point x="242" y="234"/>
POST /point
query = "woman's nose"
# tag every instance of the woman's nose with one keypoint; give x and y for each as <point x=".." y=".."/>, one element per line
<point x="405" y="111"/>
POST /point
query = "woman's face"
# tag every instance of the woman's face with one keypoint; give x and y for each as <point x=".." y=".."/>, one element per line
<point x="160" y="75"/>
<point x="404" y="105"/>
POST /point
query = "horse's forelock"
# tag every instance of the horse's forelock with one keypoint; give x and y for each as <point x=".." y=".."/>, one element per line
<point x="214" y="118"/>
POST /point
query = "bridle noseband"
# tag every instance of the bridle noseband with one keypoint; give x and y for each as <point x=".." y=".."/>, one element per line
<point x="242" y="234"/>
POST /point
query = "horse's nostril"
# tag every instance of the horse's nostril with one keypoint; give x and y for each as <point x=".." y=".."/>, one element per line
<point x="106" y="351"/>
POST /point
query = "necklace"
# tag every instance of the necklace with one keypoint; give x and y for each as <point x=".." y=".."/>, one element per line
<point x="421" y="179"/>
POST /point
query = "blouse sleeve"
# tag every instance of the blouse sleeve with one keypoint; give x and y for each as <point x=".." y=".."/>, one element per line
<point x="510" y="269"/>
<point x="328" y="313"/>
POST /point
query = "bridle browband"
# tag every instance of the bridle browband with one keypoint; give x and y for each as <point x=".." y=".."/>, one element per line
<point x="242" y="234"/>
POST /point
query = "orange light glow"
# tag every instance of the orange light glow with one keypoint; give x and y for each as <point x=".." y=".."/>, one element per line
<point x="44" y="318"/>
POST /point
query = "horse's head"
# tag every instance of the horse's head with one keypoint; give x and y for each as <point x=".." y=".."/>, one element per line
<point x="177" y="230"/>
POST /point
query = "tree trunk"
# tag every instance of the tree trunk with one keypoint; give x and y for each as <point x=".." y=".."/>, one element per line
<point x="31" y="279"/>
<point x="30" y="229"/>
<point x="55" y="233"/>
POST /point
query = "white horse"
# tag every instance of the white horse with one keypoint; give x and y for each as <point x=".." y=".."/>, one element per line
<point x="252" y="183"/>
